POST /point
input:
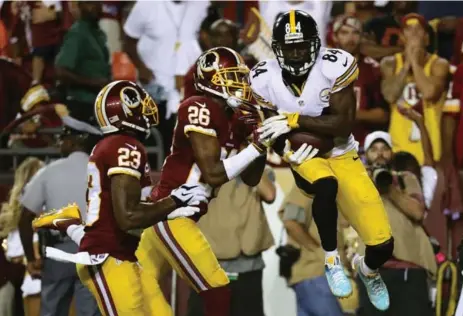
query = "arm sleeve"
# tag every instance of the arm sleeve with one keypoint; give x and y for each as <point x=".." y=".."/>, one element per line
<point x="33" y="197"/>
<point x="124" y="156"/>
<point x="135" y="24"/>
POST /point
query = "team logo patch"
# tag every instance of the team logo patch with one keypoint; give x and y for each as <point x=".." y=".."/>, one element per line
<point x="209" y="62"/>
<point x="325" y="95"/>
<point x="130" y="97"/>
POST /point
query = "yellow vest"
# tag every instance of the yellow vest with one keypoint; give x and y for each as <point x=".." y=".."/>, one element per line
<point x="401" y="127"/>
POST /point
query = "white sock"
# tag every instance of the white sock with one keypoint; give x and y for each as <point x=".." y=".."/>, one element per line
<point x="76" y="233"/>
<point x="365" y="269"/>
<point x="333" y="253"/>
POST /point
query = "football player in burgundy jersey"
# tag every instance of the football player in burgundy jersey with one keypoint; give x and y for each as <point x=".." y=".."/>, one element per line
<point x="210" y="146"/>
<point x="117" y="173"/>
<point x="372" y="110"/>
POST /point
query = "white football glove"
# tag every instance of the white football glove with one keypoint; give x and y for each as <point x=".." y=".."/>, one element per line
<point x="273" y="127"/>
<point x="304" y="153"/>
<point x="190" y="194"/>
<point x="184" y="212"/>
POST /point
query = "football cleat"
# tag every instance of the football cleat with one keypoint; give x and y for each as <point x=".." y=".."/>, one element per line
<point x="337" y="279"/>
<point x="59" y="219"/>
<point x="376" y="288"/>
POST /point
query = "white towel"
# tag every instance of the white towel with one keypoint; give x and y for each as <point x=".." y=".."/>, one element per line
<point x="30" y="286"/>
<point x="80" y="257"/>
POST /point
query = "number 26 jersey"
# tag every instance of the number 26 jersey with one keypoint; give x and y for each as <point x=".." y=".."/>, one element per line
<point x="334" y="70"/>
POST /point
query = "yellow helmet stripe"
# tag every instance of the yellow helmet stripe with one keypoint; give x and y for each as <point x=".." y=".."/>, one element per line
<point x="292" y="21"/>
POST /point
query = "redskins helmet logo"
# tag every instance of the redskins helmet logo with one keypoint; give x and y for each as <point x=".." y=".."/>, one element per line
<point x="130" y="97"/>
<point x="209" y="62"/>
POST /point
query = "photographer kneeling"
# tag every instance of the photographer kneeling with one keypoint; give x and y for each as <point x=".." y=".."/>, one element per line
<point x="406" y="273"/>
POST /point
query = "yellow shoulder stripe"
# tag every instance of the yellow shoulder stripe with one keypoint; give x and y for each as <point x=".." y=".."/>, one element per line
<point x="347" y="73"/>
<point x="122" y="170"/>
<point x="347" y="81"/>
<point x="199" y="129"/>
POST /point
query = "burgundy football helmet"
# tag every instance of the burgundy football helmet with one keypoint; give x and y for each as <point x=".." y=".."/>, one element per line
<point x="123" y="105"/>
<point x="221" y="71"/>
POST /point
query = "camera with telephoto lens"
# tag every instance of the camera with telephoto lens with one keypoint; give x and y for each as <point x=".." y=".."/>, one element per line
<point x="382" y="177"/>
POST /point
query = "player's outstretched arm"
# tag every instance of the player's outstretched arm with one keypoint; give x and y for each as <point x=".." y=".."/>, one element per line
<point x="253" y="173"/>
<point x="215" y="171"/>
<point x="340" y="121"/>
<point x="131" y="214"/>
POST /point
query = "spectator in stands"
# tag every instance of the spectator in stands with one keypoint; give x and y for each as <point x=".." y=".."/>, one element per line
<point x="14" y="269"/>
<point x="154" y="32"/>
<point x="305" y="274"/>
<point x="222" y="33"/>
<point x="415" y="79"/>
<point x="47" y="190"/>
<point x="319" y="10"/>
<point x="457" y="92"/>
<point x="248" y="235"/>
<point x="372" y="110"/>
<point x="383" y="34"/>
<point x="413" y="257"/>
<point x="46" y="34"/>
<point x="191" y="50"/>
<point x="83" y="72"/>
<point x="110" y="23"/>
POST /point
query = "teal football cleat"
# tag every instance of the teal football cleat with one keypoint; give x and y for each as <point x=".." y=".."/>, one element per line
<point x="337" y="280"/>
<point x="376" y="288"/>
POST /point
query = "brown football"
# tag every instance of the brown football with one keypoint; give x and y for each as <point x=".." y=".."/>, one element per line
<point x="297" y="138"/>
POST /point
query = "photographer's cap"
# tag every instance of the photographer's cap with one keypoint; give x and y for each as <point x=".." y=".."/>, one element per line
<point x="377" y="135"/>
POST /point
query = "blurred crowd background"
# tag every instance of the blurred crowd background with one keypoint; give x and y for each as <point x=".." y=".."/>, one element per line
<point x="57" y="55"/>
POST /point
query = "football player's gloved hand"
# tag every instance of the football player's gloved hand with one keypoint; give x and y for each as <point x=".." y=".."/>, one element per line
<point x="190" y="194"/>
<point x="253" y="121"/>
<point x="184" y="212"/>
<point x="275" y="126"/>
<point x="304" y="153"/>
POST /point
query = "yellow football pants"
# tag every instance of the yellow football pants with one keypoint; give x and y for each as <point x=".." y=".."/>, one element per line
<point x="357" y="198"/>
<point x="180" y="244"/>
<point x="116" y="286"/>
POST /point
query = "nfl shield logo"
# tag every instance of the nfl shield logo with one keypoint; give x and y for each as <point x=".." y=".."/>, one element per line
<point x="301" y="102"/>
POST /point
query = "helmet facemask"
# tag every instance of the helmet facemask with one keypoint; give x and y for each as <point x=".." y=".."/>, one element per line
<point x="298" y="56"/>
<point x="235" y="84"/>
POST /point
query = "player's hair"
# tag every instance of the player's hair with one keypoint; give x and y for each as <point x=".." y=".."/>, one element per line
<point x="10" y="211"/>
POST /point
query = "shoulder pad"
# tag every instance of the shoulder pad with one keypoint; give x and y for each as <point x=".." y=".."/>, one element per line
<point x="339" y="67"/>
<point x="260" y="77"/>
<point x="261" y="73"/>
<point x="200" y="100"/>
<point x="111" y="144"/>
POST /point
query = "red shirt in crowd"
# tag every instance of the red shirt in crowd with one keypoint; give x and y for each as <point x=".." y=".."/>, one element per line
<point x="368" y="94"/>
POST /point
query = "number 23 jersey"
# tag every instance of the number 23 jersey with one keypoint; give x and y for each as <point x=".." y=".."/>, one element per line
<point x="113" y="155"/>
<point x="333" y="71"/>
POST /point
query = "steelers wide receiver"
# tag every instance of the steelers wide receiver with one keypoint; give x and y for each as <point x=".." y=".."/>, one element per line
<point x="312" y="87"/>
